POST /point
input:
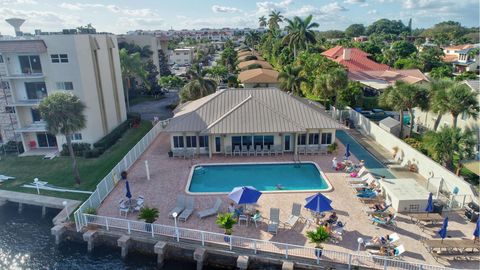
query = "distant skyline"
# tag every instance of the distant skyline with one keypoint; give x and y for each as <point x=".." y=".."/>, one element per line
<point x="121" y="16"/>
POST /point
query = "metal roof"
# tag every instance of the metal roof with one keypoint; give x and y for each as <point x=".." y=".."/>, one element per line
<point x="23" y="46"/>
<point x="257" y="110"/>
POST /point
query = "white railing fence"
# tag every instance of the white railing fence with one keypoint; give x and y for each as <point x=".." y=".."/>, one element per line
<point x="254" y="246"/>
<point x="109" y="181"/>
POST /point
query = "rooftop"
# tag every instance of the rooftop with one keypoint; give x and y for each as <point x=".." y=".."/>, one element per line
<point x="258" y="75"/>
<point x="383" y="79"/>
<point x="357" y="61"/>
<point x="245" y="64"/>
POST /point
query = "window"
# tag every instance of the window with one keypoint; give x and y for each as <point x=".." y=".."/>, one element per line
<point x="191" y="141"/>
<point x="76" y="137"/>
<point x="257" y="140"/>
<point x="326" y="138"/>
<point x="246" y="141"/>
<point x="36" y="116"/>
<point x="30" y="64"/>
<point x="59" y="58"/>
<point x="313" y="138"/>
<point x="177" y="141"/>
<point x="9" y="109"/>
<point x="185" y="53"/>
<point x="203" y="141"/>
<point x="177" y="53"/>
<point x="302" y="138"/>
<point x="236" y="141"/>
<point x="36" y="90"/>
<point x="64" y="85"/>
<point x="268" y="140"/>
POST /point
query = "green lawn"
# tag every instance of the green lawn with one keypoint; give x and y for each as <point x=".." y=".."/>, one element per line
<point x="58" y="171"/>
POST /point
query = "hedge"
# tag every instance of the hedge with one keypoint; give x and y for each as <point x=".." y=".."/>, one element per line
<point x="78" y="149"/>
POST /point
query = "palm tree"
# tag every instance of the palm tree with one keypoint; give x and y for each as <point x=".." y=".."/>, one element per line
<point x="291" y="80"/>
<point x="300" y="33"/>
<point x="198" y="86"/>
<point x="337" y="80"/>
<point x="320" y="88"/>
<point x="262" y="21"/>
<point x="437" y="103"/>
<point x="403" y="96"/>
<point x="145" y="52"/>
<point x="449" y="142"/>
<point x="63" y="113"/>
<point x="131" y="66"/>
<point x="274" y="19"/>
<point x="252" y="39"/>
<point x="458" y="99"/>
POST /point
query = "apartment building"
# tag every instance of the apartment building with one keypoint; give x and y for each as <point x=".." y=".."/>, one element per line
<point x="32" y="67"/>
<point x="183" y="56"/>
<point x="156" y="43"/>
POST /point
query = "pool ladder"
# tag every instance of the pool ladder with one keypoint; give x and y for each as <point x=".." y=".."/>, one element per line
<point x="296" y="161"/>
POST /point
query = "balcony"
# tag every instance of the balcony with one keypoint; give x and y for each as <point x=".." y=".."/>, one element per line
<point x="33" y="127"/>
<point x="27" y="75"/>
<point x="27" y="102"/>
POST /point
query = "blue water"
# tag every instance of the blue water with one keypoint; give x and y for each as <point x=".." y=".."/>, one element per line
<point x="264" y="177"/>
<point x="373" y="164"/>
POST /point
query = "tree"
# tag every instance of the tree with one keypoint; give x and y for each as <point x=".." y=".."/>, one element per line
<point x="163" y="64"/>
<point x="448" y="143"/>
<point x="171" y="81"/>
<point x="314" y="65"/>
<point x="446" y="32"/>
<point x="350" y="95"/>
<point x="64" y="114"/>
<point x="403" y="96"/>
<point x="403" y="48"/>
<point x="229" y="57"/>
<point x="430" y="58"/>
<point x="386" y="26"/>
<point x="466" y="75"/>
<point x="441" y="72"/>
<point x="198" y="86"/>
<point x="337" y="80"/>
<point x="151" y="78"/>
<point x="262" y="21"/>
<point x="321" y="89"/>
<point x="355" y="30"/>
<point x="436" y="95"/>
<point x="218" y="73"/>
<point x="131" y="66"/>
<point x="300" y="33"/>
<point x="407" y="63"/>
<point x="252" y="39"/>
<point x="275" y="17"/>
<point x="371" y="48"/>
<point x="290" y="79"/>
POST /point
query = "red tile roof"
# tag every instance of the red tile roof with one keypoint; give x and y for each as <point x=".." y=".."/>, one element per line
<point x="358" y="61"/>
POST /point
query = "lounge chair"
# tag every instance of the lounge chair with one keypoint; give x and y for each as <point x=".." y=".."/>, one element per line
<point x="365" y="184"/>
<point x="210" y="211"/>
<point x="140" y="204"/>
<point x="123" y="208"/>
<point x="371" y="211"/>
<point x="251" y="150"/>
<point x="301" y="149"/>
<point x="236" y="150"/>
<point x="228" y="150"/>
<point x="323" y="149"/>
<point x="258" y="150"/>
<point x="274" y="220"/>
<point x="190" y="207"/>
<point x="265" y="150"/>
<point x="179" y="206"/>
<point x="392" y="238"/>
<point x="379" y="221"/>
<point x="360" y="180"/>
<point x="256" y="218"/>
<point x="244" y="150"/>
<point x="363" y="170"/>
<point x="295" y="216"/>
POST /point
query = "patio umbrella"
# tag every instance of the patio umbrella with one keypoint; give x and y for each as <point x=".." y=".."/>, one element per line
<point x="127" y="187"/>
<point x="244" y="195"/>
<point x="476" y="233"/>
<point x="429" y="208"/>
<point x="443" y="231"/>
<point x="347" y="151"/>
<point x="318" y="203"/>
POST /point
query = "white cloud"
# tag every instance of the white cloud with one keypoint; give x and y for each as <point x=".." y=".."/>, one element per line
<point x="17" y="2"/>
<point x="332" y="8"/>
<point x="143" y="12"/>
<point x="354" y="1"/>
<point x="266" y="7"/>
<point x="224" y="9"/>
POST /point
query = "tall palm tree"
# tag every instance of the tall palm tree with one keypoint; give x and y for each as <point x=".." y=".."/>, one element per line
<point x="274" y="19"/>
<point x="337" y="80"/>
<point x="63" y="113"/>
<point x="458" y="99"/>
<point x="291" y="80"/>
<point x="321" y="89"/>
<point x="437" y="103"/>
<point x="300" y="33"/>
<point x="252" y="39"/>
<point x="198" y="87"/>
<point x="403" y="96"/>
<point x="131" y="66"/>
<point x="262" y="21"/>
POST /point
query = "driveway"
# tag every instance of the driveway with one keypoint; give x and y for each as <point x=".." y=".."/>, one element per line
<point x="157" y="108"/>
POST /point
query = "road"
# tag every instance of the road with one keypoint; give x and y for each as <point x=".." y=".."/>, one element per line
<point x="158" y="108"/>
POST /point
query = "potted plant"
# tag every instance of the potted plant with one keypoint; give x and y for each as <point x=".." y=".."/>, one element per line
<point x="226" y="221"/>
<point x="332" y="148"/>
<point x="149" y="214"/>
<point x="317" y="237"/>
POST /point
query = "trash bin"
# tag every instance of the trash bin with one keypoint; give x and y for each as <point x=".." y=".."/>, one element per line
<point x="437" y="207"/>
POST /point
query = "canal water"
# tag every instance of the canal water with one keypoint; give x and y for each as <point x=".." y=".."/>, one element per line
<point x="26" y="243"/>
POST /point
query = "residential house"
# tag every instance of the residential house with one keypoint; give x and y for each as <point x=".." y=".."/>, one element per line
<point x="258" y="77"/>
<point x="245" y="64"/>
<point x="249" y="119"/>
<point x="156" y="43"/>
<point x="31" y="68"/>
<point x="460" y="59"/>
<point x="184" y="56"/>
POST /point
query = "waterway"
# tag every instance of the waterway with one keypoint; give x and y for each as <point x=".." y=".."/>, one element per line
<point x="26" y="243"/>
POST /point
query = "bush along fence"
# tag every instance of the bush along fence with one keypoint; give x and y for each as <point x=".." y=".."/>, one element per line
<point x="252" y="246"/>
<point x="109" y="181"/>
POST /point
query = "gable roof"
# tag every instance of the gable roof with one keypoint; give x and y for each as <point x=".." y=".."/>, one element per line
<point x="245" y="64"/>
<point x="23" y="46"/>
<point x="383" y="79"/>
<point x="242" y="58"/>
<point x="358" y="60"/>
<point x="256" y="110"/>
<point x="258" y="75"/>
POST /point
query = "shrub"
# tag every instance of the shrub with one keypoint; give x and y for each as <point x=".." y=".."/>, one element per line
<point x="91" y="211"/>
<point x="11" y="147"/>
<point x="254" y="66"/>
<point x="415" y="143"/>
<point x="93" y="153"/>
<point x="111" y="138"/>
<point x="79" y="149"/>
<point x="149" y="214"/>
<point x="318" y="236"/>
<point x="226" y="221"/>
<point x="251" y="57"/>
<point x="332" y="147"/>
<point x="134" y="117"/>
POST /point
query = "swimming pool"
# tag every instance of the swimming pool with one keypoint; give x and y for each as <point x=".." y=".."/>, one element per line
<point x="265" y="177"/>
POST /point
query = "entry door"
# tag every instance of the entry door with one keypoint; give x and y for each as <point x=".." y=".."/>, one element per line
<point x="46" y="140"/>
<point x="287" y="142"/>
<point x="218" y="144"/>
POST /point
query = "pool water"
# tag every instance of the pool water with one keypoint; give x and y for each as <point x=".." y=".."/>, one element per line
<point x="264" y="177"/>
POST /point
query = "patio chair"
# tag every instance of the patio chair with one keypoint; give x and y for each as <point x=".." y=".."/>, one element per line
<point x="301" y="149"/>
<point x="278" y="150"/>
<point x="236" y="150"/>
<point x="122" y="208"/>
<point x="244" y="150"/>
<point x="274" y="220"/>
<point x="399" y="251"/>
<point x="371" y="211"/>
<point x="210" y="211"/>
<point x="379" y="221"/>
<point x="266" y="150"/>
<point x="359" y="174"/>
<point x="295" y="216"/>
<point x="228" y="150"/>
<point x="256" y="219"/>
<point x="190" y="207"/>
<point x="365" y="184"/>
<point x="251" y="151"/>
<point x="360" y="180"/>
<point x="140" y="204"/>
<point x="179" y="206"/>
<point x="241" y="218"/>
<point x="258" y="150"/>
<point x="392" y="238"/>
<point x="323" y="150"/>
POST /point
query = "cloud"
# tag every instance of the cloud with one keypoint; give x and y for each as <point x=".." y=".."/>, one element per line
<point x="332" y="8"/>
<point x="17" y="2"/>
<point x="266" y="7"/>
<point x="354" y="1"/>
<point x="143" y="12"/>
<point x="373" y="11"/>
<point x="223" y="9"/>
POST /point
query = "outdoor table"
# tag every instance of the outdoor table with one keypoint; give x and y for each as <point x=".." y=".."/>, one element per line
<point x="450" y="244"/>
<point x="130" y="204"/>
<point x="425" y="217"/>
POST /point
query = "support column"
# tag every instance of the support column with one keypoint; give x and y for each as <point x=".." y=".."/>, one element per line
<point x="288" y="265"/>
<point x="200" y="255"/>
<point x="44" y="211"/>
<point x="20" y="208"/>
<point x="58" y="231"/>
<point x="295" y="144"/>
<point x="124" y="242"/>
<point x="160" y="249"/>
<point x="89" y="237"/>
<point x="211" y="144"/>
<point x="242" y="262"/>
<point x="198" y="144"/>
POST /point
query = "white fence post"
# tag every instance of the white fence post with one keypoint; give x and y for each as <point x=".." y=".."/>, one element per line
<point x="230" y="242"/>
<point x="147" y="169"/>
<point x="385" y="263"/>
<point x="151" y="228"/>
<point x="128" y="224"/>
<point x="106" y="223"/>
<point x="286" y="251"/>
<point x="255" y="247"/>
<point x="349" y="261"/>
<point x="203" y="238"/>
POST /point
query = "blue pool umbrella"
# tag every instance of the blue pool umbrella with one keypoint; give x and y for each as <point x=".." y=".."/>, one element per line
<point x="476" y="233"/>
<point x="318" y="203"/>
<point x="443" y="231"/>
<point x="347" y="151"/>
<point x="244" y="195"/>
<point x="429" y="208"/>
<point x="127" y="187"/>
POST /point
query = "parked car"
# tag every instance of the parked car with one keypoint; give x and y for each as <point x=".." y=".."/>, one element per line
<point x="377" y="114"/>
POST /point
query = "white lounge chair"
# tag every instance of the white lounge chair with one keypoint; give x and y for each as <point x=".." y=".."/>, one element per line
<point x="392" y="238"/>
<point x="301" y="149"/>
<point x="295" y="216"/>
<point x="210" y="211"/>
<point x="236" y="150"/>
<point x="122" y="208"/>
<point x="363" y="170"/>
<point x="244" y="150"/>
<point x="140" y="204"/>
<point x="190" y="207"/>
<point x="274" y="220"/>
<point x="360" y="180"/>
<point x="258" y="150"/>
<point x="179" y="206"/>
<point x="251" y="150"/>
<point x="365" y="184"/>
<point x="265" y="150"/>
<point x="228" y="150"/>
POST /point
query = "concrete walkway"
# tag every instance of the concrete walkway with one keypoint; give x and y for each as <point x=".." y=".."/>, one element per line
<point x="158" y="108"/>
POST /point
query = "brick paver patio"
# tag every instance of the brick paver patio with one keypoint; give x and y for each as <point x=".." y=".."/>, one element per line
<point x="169" y="178"/>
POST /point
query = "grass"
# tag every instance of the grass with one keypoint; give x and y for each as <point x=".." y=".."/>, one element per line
<point x="58" y="171"/>
<point x="143" y="98"/>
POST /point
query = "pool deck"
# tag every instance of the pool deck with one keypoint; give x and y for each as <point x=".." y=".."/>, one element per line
<point x="169" y="178"/>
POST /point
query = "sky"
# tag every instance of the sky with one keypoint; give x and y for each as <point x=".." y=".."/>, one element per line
<point x="121" y="16"/>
